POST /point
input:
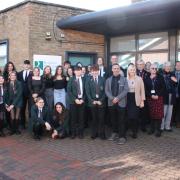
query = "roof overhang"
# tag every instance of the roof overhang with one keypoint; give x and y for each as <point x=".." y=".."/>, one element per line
<point x="147" y="16"/>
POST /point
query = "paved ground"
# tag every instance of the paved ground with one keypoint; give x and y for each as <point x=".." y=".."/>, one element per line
<point x="146" y="158"/>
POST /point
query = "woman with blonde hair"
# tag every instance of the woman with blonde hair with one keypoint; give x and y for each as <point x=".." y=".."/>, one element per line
<point x="135" y="98"/>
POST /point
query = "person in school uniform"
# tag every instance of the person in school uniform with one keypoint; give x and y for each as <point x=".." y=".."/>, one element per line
<point x="95" y="91"/>
<point x="23" y="78"/>
<point x="40" y="120"/>
<point x="76" y="92"/>
<point x="102" y="68"/>
<point x="14" y="102"/>
<point x="116" y="90"/>
<point x="2" y="105"/>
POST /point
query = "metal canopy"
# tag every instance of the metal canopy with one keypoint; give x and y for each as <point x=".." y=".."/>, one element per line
<point x="147" y="16"/>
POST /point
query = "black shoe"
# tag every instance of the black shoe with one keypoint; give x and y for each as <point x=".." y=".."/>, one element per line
<point x="150" y="132"/>
<point x="134" y="136"/>
<point x="18" y="132"/>
<point x="73" y="136"/>
<point x="158" y="134"/>
<point x="143" y="130"/>
<point x="2" y="134"/>
<point x="168" y="130"/>
<point x="36" y="137"/>
<point x="11" y="133"/>
<point x="93" y="137"/>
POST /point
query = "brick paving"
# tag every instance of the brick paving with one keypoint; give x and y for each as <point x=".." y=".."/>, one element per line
<point x="145" y="158"/>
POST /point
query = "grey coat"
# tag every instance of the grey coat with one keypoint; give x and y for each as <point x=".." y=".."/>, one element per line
<point x="123" y="90"/>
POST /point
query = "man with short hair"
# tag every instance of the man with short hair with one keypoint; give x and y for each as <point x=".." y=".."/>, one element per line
<point x="116" y="90"/>
<point x="96" y="101"/>
<point x="23" y="78"/>
<point x="76" y="92"/>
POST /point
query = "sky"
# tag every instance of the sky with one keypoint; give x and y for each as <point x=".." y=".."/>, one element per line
<point x="87" y="4"/>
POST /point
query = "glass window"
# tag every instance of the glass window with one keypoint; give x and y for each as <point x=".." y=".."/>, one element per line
<point x="159" y="58"/>
<point x="3" y="54"/>
<point x="122" y="44"/>
<point x="125" y="59"/>
<point x="153" y="41"/>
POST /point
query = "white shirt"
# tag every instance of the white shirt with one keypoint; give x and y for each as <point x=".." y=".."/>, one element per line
<point x="101" y="71"/>
<point x="24" y="74"/>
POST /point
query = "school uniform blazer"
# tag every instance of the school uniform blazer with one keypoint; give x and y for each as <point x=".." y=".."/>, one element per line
<point x="35" y="112"/>
<point x="24" y="82"/>
<point x="72" y="90"/>
<point x="90" y="88"/>
<point x="139" y="90"/>
<point x="15" y="98"/>
<point x="122" y="94"/>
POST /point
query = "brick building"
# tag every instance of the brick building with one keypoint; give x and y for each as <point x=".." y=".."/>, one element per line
<point x="29" y="28"/>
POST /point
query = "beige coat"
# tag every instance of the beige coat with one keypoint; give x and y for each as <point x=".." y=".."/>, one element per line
<point x="139" y="90"/>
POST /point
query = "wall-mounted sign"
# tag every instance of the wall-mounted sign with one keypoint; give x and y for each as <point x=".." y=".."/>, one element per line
<point x="42" y="61"/>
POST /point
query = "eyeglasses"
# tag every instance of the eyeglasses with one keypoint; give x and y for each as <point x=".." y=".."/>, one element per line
<point x="154" y="68"/>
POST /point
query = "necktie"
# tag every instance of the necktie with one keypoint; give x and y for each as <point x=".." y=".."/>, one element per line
<point x="78" y="87"/>
<point x="96" y="85"/>
<point x="1" y="95"/>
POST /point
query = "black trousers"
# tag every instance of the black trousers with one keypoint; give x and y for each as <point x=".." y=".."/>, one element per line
<point x="117" y="116"/>
<point x="38" y="128"/>
<point x="77" y="118"/>
<point x="144" y="116"/>
<point x="23" y="110"/>
<point x="98" y="121"/>
<point x="176" y="111"/>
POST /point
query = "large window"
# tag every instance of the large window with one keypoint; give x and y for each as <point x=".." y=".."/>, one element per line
<point x="3" y="53"/>
<point x="123" y="44"/>
<point x="153" y="47"/>
<point x="156" y="41"/>
<point x="79" y="57"/>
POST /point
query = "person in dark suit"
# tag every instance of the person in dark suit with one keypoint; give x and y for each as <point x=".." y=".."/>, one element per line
<point x="144" y="114"/>
<point x="76" y="92"/>
<point x="23" y="78"/>
<point x="2" y="105"/>
<point x="116" y="90"/>
<point x="13" y="102"/>
<point x="114" y="60"/>
<point x="40" y="119"/>
<point x="60" y="121"/>
<point x="102" y="68"/>
<point x="95" y="91"/>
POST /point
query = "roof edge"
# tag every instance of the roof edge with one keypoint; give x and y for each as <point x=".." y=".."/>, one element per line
<point x="43" y="3"/>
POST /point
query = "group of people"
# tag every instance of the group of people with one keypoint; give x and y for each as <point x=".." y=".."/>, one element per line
<point x="74" y="97"/>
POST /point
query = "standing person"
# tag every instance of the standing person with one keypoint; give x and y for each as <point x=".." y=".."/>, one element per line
<point x="135" y="98"/>
<point x="9" y="67"/>
<point x="76" y="94"/>
<point x="102" y="68"/>
<point x="147" y="66"/>
<point x="59" y="121"/>
<point x="169" y="96"/>
<point x="70" y="73"/>
<point x="144" y="114"/>
<point x="67" y="64"/>
<point x="13" y="102"/>
<point x="2" y="105"/>
<point x="36" y="86"/>
<point x="60" y="83"/>
<point x="95" y="91"/>
<point x="48" y="89"/>
<point x="154" y="85"/>
<point x="176" y="112"/>
<point x="40" y="119"/>
<point x="116" y="90"/>
<point x="23" y="78"/>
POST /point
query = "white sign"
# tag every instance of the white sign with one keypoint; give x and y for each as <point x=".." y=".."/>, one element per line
<point x="41" y="61"/>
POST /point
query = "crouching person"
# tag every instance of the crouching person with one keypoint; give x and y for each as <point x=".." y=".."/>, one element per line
<point x="60" y="121"/>
<point x="40" y="119"/>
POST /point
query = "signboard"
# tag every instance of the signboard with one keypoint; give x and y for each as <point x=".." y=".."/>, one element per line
<point x="41" y="61"/>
